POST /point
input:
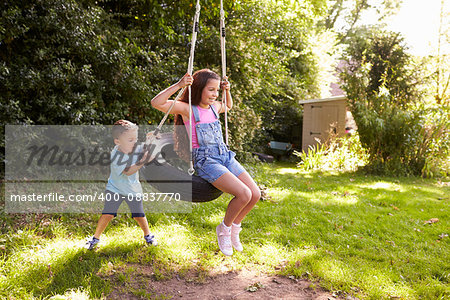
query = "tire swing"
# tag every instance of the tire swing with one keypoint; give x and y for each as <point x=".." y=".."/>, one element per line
<point x="162" y="173"/>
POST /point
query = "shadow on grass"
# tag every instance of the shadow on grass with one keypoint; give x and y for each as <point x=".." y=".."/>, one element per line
<point x="366" y="231"/>
<point x="62" y="266"/>
<point x="340" y="228"/>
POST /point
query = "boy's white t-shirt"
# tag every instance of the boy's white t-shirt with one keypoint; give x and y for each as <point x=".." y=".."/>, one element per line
<point x="118" y="182"/>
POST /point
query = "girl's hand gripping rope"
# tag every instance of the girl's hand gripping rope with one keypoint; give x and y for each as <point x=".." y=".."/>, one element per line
<point x="186" y="80"/>
<point x="225" y="84"/>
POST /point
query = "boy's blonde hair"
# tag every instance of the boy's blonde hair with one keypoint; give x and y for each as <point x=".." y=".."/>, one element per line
<point x="121" y="126"/>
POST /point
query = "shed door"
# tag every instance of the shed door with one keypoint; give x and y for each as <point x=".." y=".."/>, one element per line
<point x="323" y="119"/>
<point x="316" y="126"/>
<point x="329" y="119"/>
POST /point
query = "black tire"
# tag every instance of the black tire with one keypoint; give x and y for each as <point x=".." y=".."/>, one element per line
<point x="169" y="179"/>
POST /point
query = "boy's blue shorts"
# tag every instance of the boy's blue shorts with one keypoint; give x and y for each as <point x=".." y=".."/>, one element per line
<point x="113" y="201"/>
<point x="213" y="162"/>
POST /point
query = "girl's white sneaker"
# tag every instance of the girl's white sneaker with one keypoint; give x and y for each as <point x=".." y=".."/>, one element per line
<point x="224" y="239"/>
<point x="235" y="238"/>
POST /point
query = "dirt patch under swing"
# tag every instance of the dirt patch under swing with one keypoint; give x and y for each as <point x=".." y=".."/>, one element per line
<point x="244" y="284"/>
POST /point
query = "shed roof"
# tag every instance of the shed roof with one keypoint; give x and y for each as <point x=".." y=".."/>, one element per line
<point x="343" y="97"/>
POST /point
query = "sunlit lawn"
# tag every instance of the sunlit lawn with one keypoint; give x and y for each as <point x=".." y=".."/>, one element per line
<point x="358" y="234"/>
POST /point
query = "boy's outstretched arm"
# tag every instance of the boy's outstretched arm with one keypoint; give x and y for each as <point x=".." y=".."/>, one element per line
<point x="161" y="101"/>
<point x="134" y="168"/>
<point x="145" y="159"/>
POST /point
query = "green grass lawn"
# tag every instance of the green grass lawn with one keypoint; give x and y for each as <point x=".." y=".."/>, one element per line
<point x="358" y="234"/>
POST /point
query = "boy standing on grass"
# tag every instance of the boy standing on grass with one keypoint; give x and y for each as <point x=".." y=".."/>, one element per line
<point x="123" y="182"/>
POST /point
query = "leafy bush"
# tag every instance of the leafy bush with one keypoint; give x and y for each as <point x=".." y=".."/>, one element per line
<point x="65" y="62"/>
<point x="402" y="135"/>
<point x="93" y="62"/>
<point x="434" y="146"/>
<point x="336" y="154"/>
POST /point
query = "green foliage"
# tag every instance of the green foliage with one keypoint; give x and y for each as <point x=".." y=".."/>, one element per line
<point x="434" y="146"/>
<point x="343" y="16"/>
<point x="342" y="217"/>
<point x="62" y="64"/>
<point x="400" y="134"/>
<point x="93" y="62"/>
<point x="405" y="142"/>
<point x="272" y="67"/>
<point x="337" y="154"/>
<point x="379" y="60"/>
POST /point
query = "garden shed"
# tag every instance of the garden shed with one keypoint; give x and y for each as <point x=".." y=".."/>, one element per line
<point x="322" y="116"/>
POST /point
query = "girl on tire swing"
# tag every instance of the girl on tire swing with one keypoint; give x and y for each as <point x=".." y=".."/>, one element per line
<point x="213" y="161"/>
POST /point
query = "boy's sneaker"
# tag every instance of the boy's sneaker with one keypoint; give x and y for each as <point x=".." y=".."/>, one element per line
<point x="91" y="242"/>
<point x="235" y="237"/>
<point x="150" y="239"/>
<point x="224" y="239"/>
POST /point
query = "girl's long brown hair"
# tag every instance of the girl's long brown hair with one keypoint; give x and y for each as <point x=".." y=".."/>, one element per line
<point x="180" y="134"/>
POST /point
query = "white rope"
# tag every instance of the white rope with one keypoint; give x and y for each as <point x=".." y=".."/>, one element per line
<point x="149" y="141"/>
<point x="190" y="68"/>
<point x="180" y="93"/>
<point x="224" y="65"/>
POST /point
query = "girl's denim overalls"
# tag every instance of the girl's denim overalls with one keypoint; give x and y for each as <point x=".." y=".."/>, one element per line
<point x="213" y="158"/>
